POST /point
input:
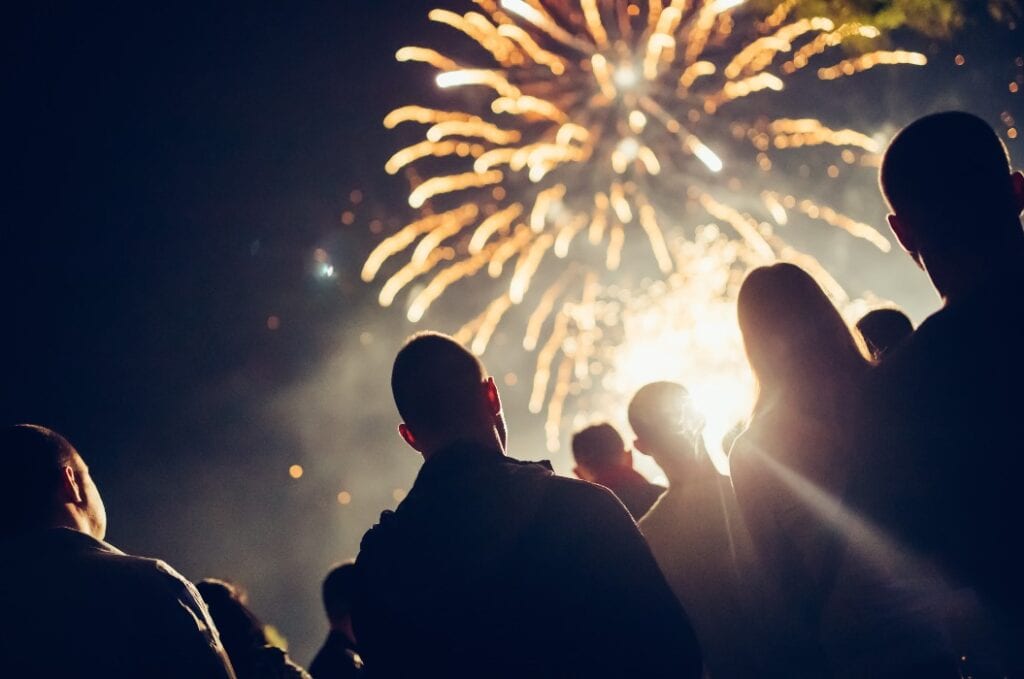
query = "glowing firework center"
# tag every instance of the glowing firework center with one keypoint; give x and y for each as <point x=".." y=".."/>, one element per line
<point x="608" y="118"/>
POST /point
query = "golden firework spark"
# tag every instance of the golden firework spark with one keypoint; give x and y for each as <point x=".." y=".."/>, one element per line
<point x="690" y="316"/>
<point x="607" y="118"/>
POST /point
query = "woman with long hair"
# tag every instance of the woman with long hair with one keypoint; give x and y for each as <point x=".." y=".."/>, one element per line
<point x="788" y="467"/>
<point x="808" y="366"/>
<point x="846" y="603"/>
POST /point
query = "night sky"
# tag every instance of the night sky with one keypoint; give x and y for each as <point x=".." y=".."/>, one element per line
<point x="171" y="172"/>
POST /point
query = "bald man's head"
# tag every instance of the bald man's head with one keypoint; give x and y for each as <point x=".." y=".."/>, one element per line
<point x="46" y="483"/>
<point x="948" y="182"/>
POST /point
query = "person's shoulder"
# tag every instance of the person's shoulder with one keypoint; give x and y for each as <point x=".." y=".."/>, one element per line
<point x="661" y="515"/>
<point x="141" y="566"/>
<point x="933" y="343"/>
<point x="946" y="329"/>
<point x="744" y="449"/>
<point x="151" y="579"/>
<point x="583" y="496"/>
<point x="750" y="458"/>
<point x="936" y="328"/>
<point x="563" y="485"/>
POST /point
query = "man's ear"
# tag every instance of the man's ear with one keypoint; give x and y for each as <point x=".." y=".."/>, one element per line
<point x="493" y="400"/>
<point x="408" y="436"/>
<point x="70" y="490"/>
<point x="1017" y="182"/>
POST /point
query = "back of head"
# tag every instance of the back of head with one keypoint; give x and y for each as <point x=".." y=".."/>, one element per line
<point x="240" y="630"/>
<point x="339" y="591"/>
<point x="663" y="412"/>
<point x="884" y="329"/>
<point x="599" y="447"/>
<point x="795" y="338"/>
<point x="33" y="458"/>
<point x="947" y="178"/>
<point x="436" y="383"/>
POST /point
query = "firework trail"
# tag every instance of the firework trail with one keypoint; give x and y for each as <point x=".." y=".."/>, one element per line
<point x="582" y="122"/>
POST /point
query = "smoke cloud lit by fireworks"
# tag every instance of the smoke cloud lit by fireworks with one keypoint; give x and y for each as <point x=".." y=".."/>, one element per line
<point x="563" y="128"/>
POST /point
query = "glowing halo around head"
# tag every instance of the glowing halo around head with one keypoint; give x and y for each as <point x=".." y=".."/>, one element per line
<point x="684" y="330"/>
<point x="561" y="129"/>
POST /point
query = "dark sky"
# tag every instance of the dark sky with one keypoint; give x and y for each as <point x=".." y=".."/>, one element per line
<point x="170" y="170"/>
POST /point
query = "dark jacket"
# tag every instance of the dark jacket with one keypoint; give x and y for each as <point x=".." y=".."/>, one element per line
<point x="73" y="606"/>
<point x="336" y="659"/>
<point x="941" y="452"/>
<point x="493" y="567"/>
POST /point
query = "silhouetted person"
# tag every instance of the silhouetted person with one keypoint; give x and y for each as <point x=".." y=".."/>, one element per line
<point x="243" y="635"/>
<point x="602" y="458"/>
<point x="338" y="657"/>
<point x="73" y="605"/>
<point x="492" y="567"/>
<point x="789" y="469"/>
<point x="943" y="459"/>
<point x="696" y="532"/>
<point x="884" y="330"/>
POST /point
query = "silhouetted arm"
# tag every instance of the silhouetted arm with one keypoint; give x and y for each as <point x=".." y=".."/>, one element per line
<point x="381" y="592"/>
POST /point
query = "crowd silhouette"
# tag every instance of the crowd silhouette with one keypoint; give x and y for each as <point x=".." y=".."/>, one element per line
<point x="867" y="526"/>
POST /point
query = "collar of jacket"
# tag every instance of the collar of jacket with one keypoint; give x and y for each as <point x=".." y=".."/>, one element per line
<point x="463" y="456"/>
<point x="64" y="539"/>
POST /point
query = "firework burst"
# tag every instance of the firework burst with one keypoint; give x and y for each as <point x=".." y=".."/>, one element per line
<point x="584" y="121"/>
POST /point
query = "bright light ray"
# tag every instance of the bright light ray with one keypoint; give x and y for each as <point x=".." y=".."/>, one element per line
<point x="912" y="591"/>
